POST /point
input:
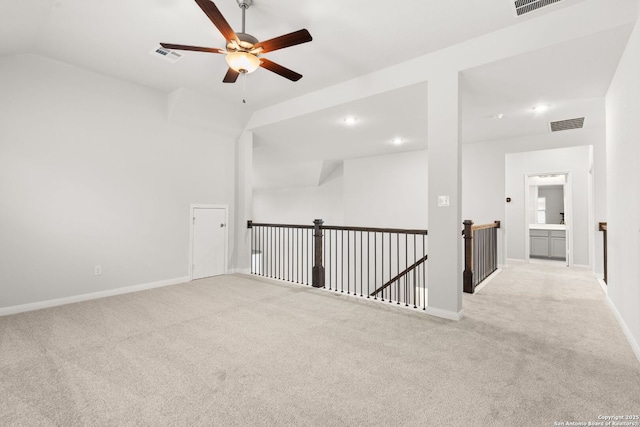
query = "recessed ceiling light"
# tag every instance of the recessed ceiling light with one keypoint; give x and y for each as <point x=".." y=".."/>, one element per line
<point x="397" y="141"/>
<point x="540" y="108"/>
<point x="497" y="116"/>
<point x="350" y="120"/>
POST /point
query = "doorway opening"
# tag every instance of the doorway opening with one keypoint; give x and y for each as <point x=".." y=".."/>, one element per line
<point x="548" y="217"/>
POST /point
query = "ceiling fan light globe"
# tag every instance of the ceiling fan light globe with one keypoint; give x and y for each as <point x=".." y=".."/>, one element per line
<point x="243" y="62"/>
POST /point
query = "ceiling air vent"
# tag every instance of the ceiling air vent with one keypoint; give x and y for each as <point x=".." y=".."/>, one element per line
<point x="166" y="54"/>
<point x="526" y="6"/>
<point x="568" y="124"/>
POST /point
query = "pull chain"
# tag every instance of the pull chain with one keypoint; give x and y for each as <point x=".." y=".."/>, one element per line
<point x="244" y="87"/>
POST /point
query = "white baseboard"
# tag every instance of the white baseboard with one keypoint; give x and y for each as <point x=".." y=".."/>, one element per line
<point x="445" y="314"/>
<point x="5" y="311"/>
<point x="625" y="329"/>
<point x="487" y="280"/>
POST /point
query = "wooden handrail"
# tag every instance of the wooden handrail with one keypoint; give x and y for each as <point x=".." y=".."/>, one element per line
<point x="376" y="230"/>
<point x="343" y="228"/>
<point x="251" y="224"/>
<point x="399" y="276"/>
<point x="495" y="224"/>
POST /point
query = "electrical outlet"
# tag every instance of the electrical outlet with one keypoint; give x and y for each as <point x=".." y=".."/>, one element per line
<point x="97" y="270"/>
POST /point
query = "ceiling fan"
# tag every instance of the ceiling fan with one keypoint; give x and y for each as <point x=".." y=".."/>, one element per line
<point x="243" y="50"/>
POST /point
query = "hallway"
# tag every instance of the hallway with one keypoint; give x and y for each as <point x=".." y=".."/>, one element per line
<point x="554" y="333"/>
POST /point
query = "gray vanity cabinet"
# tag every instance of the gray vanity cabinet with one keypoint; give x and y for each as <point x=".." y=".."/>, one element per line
<point x="547" y="243"/>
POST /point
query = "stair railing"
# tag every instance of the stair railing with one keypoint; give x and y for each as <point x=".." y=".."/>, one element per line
<point x="480" y="253"/>
<point x="388" y="264"/>
<point x="602" y="226"/>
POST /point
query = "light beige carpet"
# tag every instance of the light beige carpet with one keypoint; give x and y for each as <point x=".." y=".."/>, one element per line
<point x="538" y="345"/>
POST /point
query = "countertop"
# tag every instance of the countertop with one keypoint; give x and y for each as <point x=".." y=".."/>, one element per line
<point x="547" y="227"/>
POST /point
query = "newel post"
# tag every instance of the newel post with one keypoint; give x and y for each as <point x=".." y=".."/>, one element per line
<point x="318" y="268"/>
<point x="467" y="275"/>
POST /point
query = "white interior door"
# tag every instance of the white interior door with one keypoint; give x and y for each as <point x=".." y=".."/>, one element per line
<point x="209" y="242"/>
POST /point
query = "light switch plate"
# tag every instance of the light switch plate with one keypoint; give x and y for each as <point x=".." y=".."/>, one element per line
<point x="443" y="201"/>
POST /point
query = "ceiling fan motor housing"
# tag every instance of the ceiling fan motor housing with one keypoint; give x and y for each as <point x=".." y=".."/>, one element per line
<point x="247" y="41"/>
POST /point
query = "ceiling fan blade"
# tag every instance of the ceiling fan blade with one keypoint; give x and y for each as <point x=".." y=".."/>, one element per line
<point x="231" y="76"/>
<point x="194" y="48"/>
<point x="279" y="69"/>
<point x="291" y="39"/>
<point x="210" y="9"/>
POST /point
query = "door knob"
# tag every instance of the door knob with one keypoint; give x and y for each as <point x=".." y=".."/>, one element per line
<point x="221" y="225"/>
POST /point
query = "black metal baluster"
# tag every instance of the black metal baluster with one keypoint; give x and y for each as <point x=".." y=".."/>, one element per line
<point x="324" y="256"/>
<point x="258" y="249"/>
<point x="361" y="262"/>
<point x="415" y="257"/>
<point x="481" y="254"/>
<point x="348" y="262"/>
<point x="368" y="266"/>
<point x="290" y="253"/>
<point x="342" y="258"/>
<point x="265" y="251"/>
<point x="406" y="265"/>
<point x="382" y="264"/>
<point x="335" y="235"/>
<point x="390" y="288"/>
<point x="309" y="257"/>
<point x="328" y="263"/>
<point x="424" y="273"/>
<point x="252" y="250"/>
<point x="306" y="257"/>
<point x="398" y="267"/>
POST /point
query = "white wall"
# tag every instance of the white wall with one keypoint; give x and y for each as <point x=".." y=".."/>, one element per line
<point x="379" y="191"/>
<point x="386" y="191"/>
<point x="623" y="156"/>
<point x="91" y="172"/>
<point x="301" y="205"/>
<point x="483" y="177"/>
<point x="574" y="160"/>
<point x="241" y="259"/>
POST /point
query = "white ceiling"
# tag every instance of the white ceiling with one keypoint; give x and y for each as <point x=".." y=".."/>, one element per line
<point x="566" y="77"/>
<point x="350" y="39"/>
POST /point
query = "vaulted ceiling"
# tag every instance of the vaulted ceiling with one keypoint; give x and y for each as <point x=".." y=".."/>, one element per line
<point x="350" y="39"/>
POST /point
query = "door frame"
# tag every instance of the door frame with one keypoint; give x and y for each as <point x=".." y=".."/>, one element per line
<point x="568" y="213"/>
<point x="192" y="209"/>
